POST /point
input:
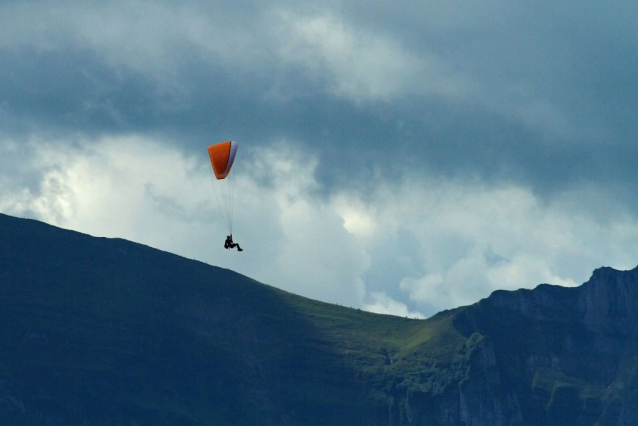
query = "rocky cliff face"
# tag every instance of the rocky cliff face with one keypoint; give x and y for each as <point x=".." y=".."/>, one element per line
<point x="548" y="356"/>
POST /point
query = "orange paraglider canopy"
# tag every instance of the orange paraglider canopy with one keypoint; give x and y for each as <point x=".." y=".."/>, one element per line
<point x="222" y="156"/>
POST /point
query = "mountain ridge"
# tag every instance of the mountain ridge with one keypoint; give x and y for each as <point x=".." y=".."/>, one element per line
<point x="106" y="331"/>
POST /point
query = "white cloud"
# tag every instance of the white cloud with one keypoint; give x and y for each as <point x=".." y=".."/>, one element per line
<point x="307" y="243"/>
<point x="139" y="189"/>
<point x="475" y="239"/>
<point x="361" y="65"/>
<point x="358" y="218"/>
<point x="410" y="248"/>
<point x="381" y="303"/>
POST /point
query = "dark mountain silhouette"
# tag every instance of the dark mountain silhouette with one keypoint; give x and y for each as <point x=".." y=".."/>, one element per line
<point x="97" y="331"/>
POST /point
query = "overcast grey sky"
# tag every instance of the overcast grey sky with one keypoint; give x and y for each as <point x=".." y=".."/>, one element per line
<point x="402" y="157"/>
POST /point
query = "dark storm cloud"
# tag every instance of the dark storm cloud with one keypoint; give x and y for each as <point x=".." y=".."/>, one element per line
<point x="403" y="157"/>
<point x="69" y="91"/>
<point x="550" y="99"/>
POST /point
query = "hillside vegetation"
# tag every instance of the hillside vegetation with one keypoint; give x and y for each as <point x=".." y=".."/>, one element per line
<point x="102" y="331"/>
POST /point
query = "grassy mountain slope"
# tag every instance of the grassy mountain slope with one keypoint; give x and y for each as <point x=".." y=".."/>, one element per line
<point x="94" y="329"/>
<point x="103" y="331"/>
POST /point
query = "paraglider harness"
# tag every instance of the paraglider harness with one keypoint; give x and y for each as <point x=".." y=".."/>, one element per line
<point x="228" y="244"/>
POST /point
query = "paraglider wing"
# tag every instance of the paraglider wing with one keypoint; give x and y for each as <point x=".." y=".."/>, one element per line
<point x="222" y="156"/>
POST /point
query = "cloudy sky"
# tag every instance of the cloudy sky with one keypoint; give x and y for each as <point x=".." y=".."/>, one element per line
<point x="397" y="157"/>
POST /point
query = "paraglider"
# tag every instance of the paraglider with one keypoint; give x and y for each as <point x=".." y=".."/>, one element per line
<point x="222" y="158"/>
<point x="229" y="244"/>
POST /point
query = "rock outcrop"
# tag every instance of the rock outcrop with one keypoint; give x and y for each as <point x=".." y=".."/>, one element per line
<point x="548" y="356"/>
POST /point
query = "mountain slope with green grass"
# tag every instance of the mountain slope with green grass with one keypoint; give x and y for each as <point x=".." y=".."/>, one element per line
<point x="103" y="331"/>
